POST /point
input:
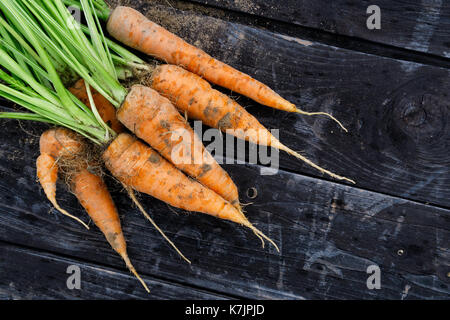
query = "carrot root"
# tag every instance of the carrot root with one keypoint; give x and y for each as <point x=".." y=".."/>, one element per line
<point x="91" y="191"/>
<point x="280" y="146"/>
<point x="146" y="215"/>
<point x="131" y="161"/>
<point x="154" y="119"/>
<point x="133" y="271"/>
<point x="47" y="172"/>
<point x="260" y="235"/>
<point x="324" y="114"/>
<point x="195" y="95"/>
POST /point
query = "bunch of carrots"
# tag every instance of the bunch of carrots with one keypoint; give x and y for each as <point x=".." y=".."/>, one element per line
<point x="134" y="132"/>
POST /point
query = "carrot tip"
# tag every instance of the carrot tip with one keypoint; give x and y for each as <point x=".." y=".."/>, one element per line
<point x="321" y="113"/>
<point x="133" y="270"/>
<point x="64" y="212"/>
<point x="312" y="164"/>
<point x="260" y="235"/>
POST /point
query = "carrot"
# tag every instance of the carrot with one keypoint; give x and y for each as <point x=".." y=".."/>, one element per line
<point x="135" y="30"/>
<point x="143" y="169"/>
<point x="108" y="114"/>
<point x="88" y="187"/>
<point x="60" y="142"/>
<point x="94" y="196"/>
<point x="47" y="172"/>
<point x="155" y="120"/>
<point x="196" y="97"/>
<point x="106" y="110"/>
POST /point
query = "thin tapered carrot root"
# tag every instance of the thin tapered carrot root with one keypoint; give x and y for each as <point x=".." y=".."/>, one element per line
<point x="135" y="30"/>
<point x="242" y="214"/>
<point x="47" y="172"/>
<point x="259" y="234"/>
<point x="89" y="188"/>
<point x="280" y="146"/>
<point x="133" y="271"/>
<point x="324" y="114"/>
<point x="146" y="215"/>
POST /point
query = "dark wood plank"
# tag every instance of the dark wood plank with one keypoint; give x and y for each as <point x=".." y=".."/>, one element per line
<point x="328" y="234"/>
<point x="420" y="25"/>
<point x="397" y="112"/>
<point x="28" y="274"/>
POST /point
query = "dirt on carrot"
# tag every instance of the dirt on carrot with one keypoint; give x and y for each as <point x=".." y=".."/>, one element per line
<point x="195" y="96"/>
<point x="155" y="120"/>
<point x="128" y="160"/>
<point x="62" y="147"/>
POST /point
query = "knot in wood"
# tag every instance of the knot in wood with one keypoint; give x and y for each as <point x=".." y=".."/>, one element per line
<point x="414" y="115"/>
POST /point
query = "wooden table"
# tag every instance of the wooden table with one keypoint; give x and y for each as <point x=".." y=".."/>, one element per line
<point x="389" y="87"/>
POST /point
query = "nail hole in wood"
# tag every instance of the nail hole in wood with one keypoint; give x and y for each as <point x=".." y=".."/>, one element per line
<point x="252" y="193"/>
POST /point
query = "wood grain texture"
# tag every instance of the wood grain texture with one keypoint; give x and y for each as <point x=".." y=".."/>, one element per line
<point x="328" y="234"/>
<point x="419" y="25"/>
<point x="397" y="112"/>
<point x="29" y="274"/>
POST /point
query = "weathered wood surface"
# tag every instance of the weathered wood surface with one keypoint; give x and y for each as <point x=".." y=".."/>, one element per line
<point x="419" y="25"/>
<point x="397" y="112"/>
<point x="29" y="274"/>
<point x="328" y="234"/>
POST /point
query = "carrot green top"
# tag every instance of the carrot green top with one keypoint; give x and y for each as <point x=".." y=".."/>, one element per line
<point x="39" y="41"/>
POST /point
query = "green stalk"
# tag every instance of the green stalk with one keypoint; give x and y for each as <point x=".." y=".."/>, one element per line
<point x="101" y="8"/>
<point x="123" y="56"/>
<point x="97" y="37"/>
<point x="29" y="66"/>
<point x="86" y="64"/>
<point x="19" y="16"/>
<point x="7" y="62"/>
<point x="25" y="116"/>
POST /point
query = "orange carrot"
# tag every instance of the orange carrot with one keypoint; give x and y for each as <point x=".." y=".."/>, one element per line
<point x="196" y="97"/>
<point x="95" y="198"/>
<point x="155" y="120"/>
<point x="88" y="187"/>
<point x="60" y="142"/>
<point x="143" y="169"/>
<point x="135" y="30"/>
<point x="105" y="109"/>
<point x="47" y="172"/>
